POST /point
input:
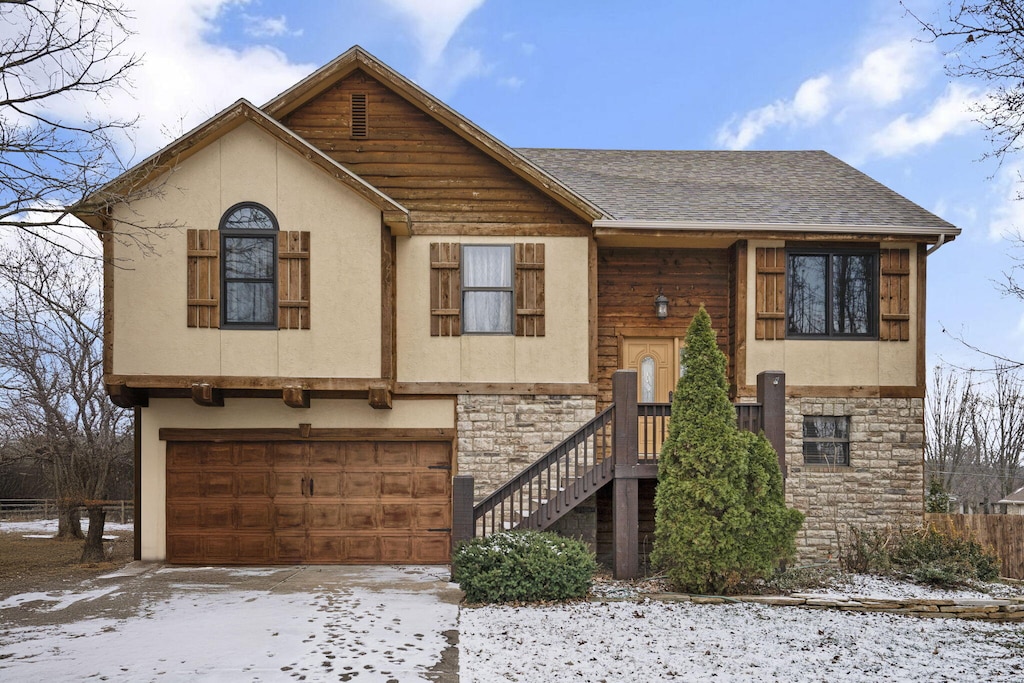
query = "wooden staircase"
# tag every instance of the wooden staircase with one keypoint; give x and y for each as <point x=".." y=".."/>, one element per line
<point x="619" y="447"/>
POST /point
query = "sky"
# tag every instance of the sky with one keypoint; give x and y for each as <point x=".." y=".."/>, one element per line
<point x="853" y="78"/>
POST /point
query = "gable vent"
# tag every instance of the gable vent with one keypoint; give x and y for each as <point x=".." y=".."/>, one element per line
<point x="359" y="115"/>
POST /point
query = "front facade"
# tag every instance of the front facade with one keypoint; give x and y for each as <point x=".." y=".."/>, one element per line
<point x="355" y="294"/>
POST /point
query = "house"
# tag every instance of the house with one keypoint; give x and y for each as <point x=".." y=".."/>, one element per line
<point x="357" y="293"/>
<point x="1014" y="502"/>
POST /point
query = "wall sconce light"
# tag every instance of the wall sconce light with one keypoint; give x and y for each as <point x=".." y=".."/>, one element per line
<point x="661" y="305"/>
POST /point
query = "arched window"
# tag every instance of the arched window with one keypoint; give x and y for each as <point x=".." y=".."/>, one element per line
<point x="248" y="244"/>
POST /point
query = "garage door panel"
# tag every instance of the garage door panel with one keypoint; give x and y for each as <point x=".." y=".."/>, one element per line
<point x="217" y="516"/>
<point x="432" y="517"/>
<point x="327" y="453"/>
<point x="185" y="484"/>
<point x="395" y="548"/>
<point x="254" y="485"/>
<point x="433" y="454"/>
<point x="434" y="549"/>
<point x="325" y="484"/>
<point x="360" y="454"/>
<point x="286" y="454"/>
<point x="397" y="516"/>
<point x="326" y="549"/>
<point x="325" y="516"/>
<point x="255" y="548"/>
<point x="219" y="484"/>
<point x="433" y="484"/>
<point x="255" y="516"/>
<point x="396" y="484"/>
<point x="252" y="503"/>
<point x="184" y="515"/>
<point x="256" y="455"/>
<point x="360" y="485"/>
<point x="359" y="517"/>
<point x="289" y="516"/>
<point x="362" y="548"/>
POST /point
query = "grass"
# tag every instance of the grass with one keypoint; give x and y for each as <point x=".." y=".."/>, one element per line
<point x="43" y="564"/>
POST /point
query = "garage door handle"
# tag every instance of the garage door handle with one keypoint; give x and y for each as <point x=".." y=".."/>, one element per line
<point x="311" y="486"/>
<point x="446" y="529"/>
<point x="303" y="486"/>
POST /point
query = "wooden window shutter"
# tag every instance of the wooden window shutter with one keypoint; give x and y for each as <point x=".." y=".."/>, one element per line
<point x="770" y="293"/>
<point x="894" y="295"/>
<point x="529" y="286"/>
<point x="293" y="280"/>
<point x="445" y="290"/>
<point x="203" y="252"/>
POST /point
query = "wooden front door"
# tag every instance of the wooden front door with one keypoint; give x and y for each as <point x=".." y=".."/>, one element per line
<point x="657" y="366"/>
<point x="291" y="502"/>
<point x="656" y="361"/>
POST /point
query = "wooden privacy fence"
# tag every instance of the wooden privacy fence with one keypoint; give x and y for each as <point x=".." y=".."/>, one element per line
<point x="1005" y="533"/>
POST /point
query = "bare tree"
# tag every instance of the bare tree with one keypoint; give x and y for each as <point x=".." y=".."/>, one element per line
<point x="999" y="431"/>
<point x="53" y="55"/>
<point x="51" y="372"/>
<point x="951" y="406"/>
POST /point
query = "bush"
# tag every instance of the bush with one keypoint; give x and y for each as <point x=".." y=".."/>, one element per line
<point x="938" y="498"/>
<point x="720" y="515"/>
<point x="523" y="566"/>
<point x="925" y="555"/>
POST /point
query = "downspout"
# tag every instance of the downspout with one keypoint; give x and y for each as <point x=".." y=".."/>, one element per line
<point x="931" y="250"/>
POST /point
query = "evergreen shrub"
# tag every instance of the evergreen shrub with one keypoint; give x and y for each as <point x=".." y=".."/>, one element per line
<point x="523" y="566"/>
<point x="720" y="515"/>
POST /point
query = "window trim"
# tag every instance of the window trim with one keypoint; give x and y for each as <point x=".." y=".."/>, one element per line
<point x="829" y="252"/>
<point x="273" y="236"/>
<point x="510" y="249"/>
<point x="821" y="439"/>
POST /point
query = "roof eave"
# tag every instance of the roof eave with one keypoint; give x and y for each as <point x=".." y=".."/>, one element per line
<point x="91" y="209"/>
<point x="928" y="233"/>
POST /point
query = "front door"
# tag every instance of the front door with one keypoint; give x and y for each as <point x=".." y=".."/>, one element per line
<point x="656" y="365"/>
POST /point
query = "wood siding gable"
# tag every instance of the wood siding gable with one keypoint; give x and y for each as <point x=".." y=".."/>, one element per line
<point x="448" y="185"/>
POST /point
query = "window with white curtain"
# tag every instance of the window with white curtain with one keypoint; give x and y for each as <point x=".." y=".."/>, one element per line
<point x="487" y="289"/>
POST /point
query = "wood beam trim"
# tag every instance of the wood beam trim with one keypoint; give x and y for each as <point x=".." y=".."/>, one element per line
<point x="739" y="339"/>
<point x="592" y="312"/>
<point x="863" y="391"/>
<point x="296" y="397"/>
<point x="311" y="434"/>
<point x="205" y="394"/>
<point x="231" y="382"/>
<point x="126" y="397"/>
<point x="388" y="307"/>
<point x="453" y="388"/>
<point x="380" y="396"/>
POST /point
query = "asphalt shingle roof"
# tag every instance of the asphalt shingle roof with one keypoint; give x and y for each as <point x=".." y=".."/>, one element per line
<point x="787" y="187"/>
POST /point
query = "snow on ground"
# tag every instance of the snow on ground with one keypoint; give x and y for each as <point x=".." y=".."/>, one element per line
<point x="213" y="631"/>
<point x="655" y="641"/>
<point x="880" y="586"/>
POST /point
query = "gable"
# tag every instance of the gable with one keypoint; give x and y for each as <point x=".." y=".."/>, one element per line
<point x="448" y="185"/>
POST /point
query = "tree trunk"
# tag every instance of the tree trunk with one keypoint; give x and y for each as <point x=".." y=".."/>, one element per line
<point x="93" y="550"/>
<point x="69" y="526"/>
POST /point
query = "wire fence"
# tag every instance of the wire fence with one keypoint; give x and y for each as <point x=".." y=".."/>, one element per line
<point x="23" y="509"/>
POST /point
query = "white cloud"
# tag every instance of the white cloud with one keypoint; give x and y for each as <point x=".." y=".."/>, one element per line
<point x="809" y="105"/>
<point x="860" y="92"/>
<point x="264" y="27"/>
<point x="1007" y="216"/>
<point x="185" y="77"/>
<point x="887" y="74"/>
<point x="434" y="24"/>
<point x="949" y="115"/>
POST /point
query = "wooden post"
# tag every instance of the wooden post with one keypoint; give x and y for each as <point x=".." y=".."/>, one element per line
<point x="625" y="487"/>
<point x="462" y="508"/>
<point x="137" y="502"/>
<point x="771" y="394"/>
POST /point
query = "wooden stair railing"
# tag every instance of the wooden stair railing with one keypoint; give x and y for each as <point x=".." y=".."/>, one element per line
<point x="552" y="485"/>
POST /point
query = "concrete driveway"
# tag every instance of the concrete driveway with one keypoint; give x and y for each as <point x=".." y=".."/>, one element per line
<point x="150" y="622"/>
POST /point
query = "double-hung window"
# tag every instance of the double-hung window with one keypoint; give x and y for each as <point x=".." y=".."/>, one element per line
<point x="826" y="440"/>
<point x="487" y="298"/>
<point x="831" y="293"/>
<point x="248" y="234"/>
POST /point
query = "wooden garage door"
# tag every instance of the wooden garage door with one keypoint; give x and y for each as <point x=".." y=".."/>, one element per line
<point x="287" y="502"/>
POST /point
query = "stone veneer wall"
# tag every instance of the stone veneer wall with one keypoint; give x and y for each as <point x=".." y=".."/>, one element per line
<point x="883" y="485"/>
<point x="501" y="434"/>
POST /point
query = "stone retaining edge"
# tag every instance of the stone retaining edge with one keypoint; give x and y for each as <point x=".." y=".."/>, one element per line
<point x="1005" y="609"/>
